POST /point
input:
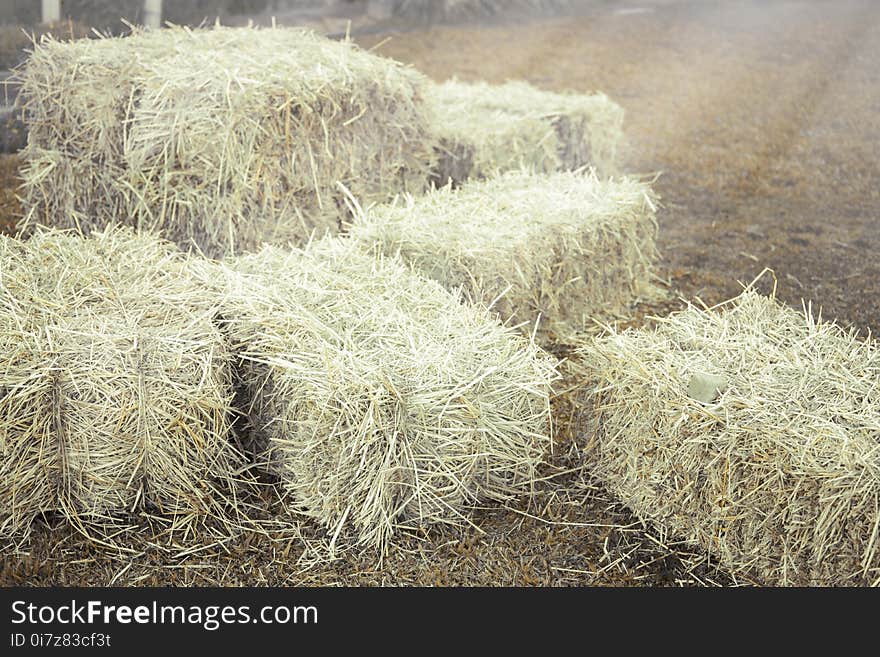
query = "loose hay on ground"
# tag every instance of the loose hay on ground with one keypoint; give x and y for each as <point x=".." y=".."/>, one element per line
<point x="115" y="384"/>
<point x="565" y="248"/>
<point x="484" y="128"/>
<point x="223" y="138"/>
<point x="380" y="400"/>
<point x="779" y="475"/>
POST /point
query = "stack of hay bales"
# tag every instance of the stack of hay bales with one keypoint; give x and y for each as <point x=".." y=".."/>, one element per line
<point x="483" y="129"/>
<point x="114" y="382"/>
<point x="566" y="248"/>
<point x="222" y="139"/>
<point x="754" y="432"/>
<point x="379" y="399"/>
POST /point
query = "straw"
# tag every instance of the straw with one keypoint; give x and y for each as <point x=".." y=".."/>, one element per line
<point x="221" y="139"/>
<point x="778" y="474"/>
<point x="552" y="252"/>
<point x="483" y="129"/>
<point x="381" y="401"/>
<point x="115" y="384"/>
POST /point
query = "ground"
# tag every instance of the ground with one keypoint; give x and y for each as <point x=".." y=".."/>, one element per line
<point x="762" y="119"/>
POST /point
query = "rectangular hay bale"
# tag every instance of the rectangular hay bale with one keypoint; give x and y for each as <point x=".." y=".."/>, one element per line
<point x="222" y="139"/>
<point x="115" y="384"/>
<point x="379" y="400"/>
<point x="565" y="247"/>
<point x="753" y="432"/>
<point x="483" y="129"/>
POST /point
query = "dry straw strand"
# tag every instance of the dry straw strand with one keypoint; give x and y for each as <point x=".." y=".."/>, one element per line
<point x="778" y="475"/>
<point x="556" y="251"/>
<point x="380" y="400"/>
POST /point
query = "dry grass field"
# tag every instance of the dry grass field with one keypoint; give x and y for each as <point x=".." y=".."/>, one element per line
<point x="762" y="119"/>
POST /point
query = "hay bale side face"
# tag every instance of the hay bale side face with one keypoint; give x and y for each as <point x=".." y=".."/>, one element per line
<point x="115" y="382"/>
<point x="564" y="248"/>
<point x="26" y="434"/>
<point x="141" y="414"/>
<point x="484" y="129"/>
<point x="779" y="475"/>
<point x="223" y="139"/>
<point x="383" y="402"/>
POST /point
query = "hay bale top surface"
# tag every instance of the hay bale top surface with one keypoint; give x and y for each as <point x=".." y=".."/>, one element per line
<point x="475" y="108"/>
<point x="160" y="75"/>
<point x="808" y="384"/>
<point x="772" y="359"/>
<point x="246" y="57"/>
<point x="371" y="306"/>
<point x="506" y="212"/>
<point x="515" y="98"/>
<point x="57" y="272"/>
<point x="784" y="442"/>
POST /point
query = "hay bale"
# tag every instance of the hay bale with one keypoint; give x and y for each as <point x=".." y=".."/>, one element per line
<point x="114" y="383"/>
<point x="380" y="401"/>
<point x="222" y="139"/>
<point x="485" y="128"/>
<point x="565" y="248"/>
<point x="779" y="474"/>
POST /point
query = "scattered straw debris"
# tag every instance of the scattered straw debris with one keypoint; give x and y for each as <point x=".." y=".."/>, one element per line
<point x="114" y="384"/>
<point x="486" y="128"/>
<point x="779" y="474"/>
<point x="380" y="400"/>
<point x="222" y="139"/>
<point x="552" y="251"/>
